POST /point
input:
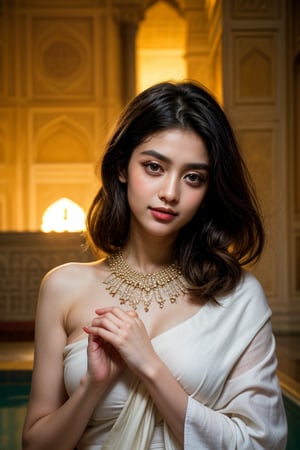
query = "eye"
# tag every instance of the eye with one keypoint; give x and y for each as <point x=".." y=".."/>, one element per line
<point x="196" y="179"/>
<point x="153" y="167"/>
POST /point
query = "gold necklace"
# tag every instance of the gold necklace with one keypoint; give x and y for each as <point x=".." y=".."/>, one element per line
<point x="134" y="287"/>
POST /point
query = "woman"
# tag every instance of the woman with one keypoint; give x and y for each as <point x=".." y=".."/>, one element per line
<point x="166" y="343"/>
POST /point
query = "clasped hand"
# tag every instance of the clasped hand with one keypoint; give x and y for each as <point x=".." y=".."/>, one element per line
<point x="117" y="337"/>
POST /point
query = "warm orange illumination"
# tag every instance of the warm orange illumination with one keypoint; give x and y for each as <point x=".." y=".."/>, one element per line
<point x="63" y="215"/>
<point x="160" y="46"/>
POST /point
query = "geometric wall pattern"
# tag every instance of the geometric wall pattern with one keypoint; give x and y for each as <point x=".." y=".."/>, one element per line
<point x="24" y="259"/>
<point x="257" y="77"/>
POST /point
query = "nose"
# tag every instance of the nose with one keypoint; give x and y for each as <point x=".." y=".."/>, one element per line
<point x="170" y="190"/>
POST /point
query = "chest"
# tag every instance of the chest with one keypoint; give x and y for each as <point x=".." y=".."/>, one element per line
<point x="156" y="320"/>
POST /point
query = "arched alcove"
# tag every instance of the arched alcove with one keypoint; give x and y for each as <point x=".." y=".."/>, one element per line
<point x="160" y="45"/>
<point x="255" y="61"/>
<point x="62" y="141"/>
<point x="63" y="215"/>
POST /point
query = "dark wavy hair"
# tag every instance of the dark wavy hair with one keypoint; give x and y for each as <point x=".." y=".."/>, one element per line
<point x="227" y="232"/>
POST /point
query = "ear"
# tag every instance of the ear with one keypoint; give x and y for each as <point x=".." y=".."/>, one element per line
<point x="122" y="176"/>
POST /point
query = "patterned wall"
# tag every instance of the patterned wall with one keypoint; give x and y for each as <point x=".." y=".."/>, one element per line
<point x="24" y="259"/>
<point x="257" y="76"/>
<point x="60" y="94"/>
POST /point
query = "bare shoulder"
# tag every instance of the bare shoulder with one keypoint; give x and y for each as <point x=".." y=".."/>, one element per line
<point x="74" y="274"/>
<point x="70" y="281"/>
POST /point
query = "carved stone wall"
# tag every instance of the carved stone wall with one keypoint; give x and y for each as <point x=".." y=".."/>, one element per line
<point x="294" y="143"/>
<point x="256" y="93"/>
<point x="60" y="94"/>
<point x="24" y="260"/>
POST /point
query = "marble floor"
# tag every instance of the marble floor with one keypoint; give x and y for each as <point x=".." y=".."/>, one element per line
<point x="19" y="356"/>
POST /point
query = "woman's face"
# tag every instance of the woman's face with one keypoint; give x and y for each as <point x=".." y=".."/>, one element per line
<point x="167" y="179"/>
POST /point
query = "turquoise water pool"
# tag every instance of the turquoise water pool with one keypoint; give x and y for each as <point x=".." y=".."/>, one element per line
<point x="293" y="417"/>
<point x="14" y="392"/>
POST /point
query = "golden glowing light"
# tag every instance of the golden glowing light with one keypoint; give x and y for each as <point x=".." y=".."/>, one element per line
<point x="160" y="46"/>
<point x="63" y="215"/>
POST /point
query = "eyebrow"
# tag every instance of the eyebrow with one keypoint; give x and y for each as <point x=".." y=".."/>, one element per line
<point x="163" y="158"/>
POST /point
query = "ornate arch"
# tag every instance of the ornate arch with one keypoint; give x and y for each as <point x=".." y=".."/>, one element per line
<point x="62" y="141"/>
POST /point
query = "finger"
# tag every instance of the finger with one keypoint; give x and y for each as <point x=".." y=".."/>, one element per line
<point x="115" y="310"/>
<point x="132" y="313"/>
<point x="93" y="341"/>
<point x="94" y="331"/>
<point x="101" y="333"/>
<point x="101" y="311"/>
<point x="107" y="321"/>
<point x="124" y="316"/>
<point x="90" y="331"/>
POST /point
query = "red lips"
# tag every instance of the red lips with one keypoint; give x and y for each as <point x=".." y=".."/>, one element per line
<point x="163" y="214"/>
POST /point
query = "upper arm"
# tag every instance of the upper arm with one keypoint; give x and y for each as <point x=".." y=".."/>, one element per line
<point x="261" y="345"/>
<point x="249" y="412"/>
<point x="47" y="387"/>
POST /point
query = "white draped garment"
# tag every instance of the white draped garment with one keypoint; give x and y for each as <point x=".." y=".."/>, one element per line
<point x="224" y="358"/>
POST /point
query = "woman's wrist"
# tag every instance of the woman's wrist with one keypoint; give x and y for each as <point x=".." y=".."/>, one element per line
<point x="152" y="370"/>
<point x="89" y="384"/>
